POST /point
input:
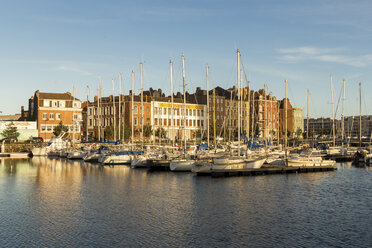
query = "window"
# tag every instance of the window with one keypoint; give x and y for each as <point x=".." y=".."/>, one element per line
<point x="51" y="116"/>
<point x="147" y="109"/>
<point x="164" y="111"/>
<point x="45" y="116"/>
<point x="135" y="109"/>
<point x="202" y="112"/>
<point x="58" y="116"/>
<point x="49" y="128"/>
<point x="43" y="128"/>
<point x="76" y="117"/>
<point x="90" y="122"/>
<point x="148" y="121"/>
<point x="135" y="121"/>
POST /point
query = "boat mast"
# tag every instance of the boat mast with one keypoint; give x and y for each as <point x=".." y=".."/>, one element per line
<point x="248" y="109"/>
<point x="184" y="104"/>
<point x="333" y="115"/>
<point x="99" y="108"/>
<point x="132" y="108"/>
<point x="241" y="102"/>
<point x="214" y="119"/>
<point x="265" y="114"/>
<point x="171" y="77"/>
<point x="73" y="119"/>
<point x="343" y="113"/>
<point x="307" y="118"/>
<point x="360" y="114"/>
<point x="113" y="106"/>
<point x="285" y="116"/>
<point x="207" y="71"/>
<point x="141" y="70"/>
<point x="252" y="117"/>
<point x="86" y="138"/>
<point x="120" y="115"/>
<point x="238" y="83"/>
<point x="231" y="122"/>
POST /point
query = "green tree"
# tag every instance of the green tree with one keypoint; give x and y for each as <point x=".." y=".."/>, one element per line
<point x="147" y="130"/>
<point x="59" y="129"/>
<point x="160" y="133"/>
<point x="109" y="132"/>
<point x="11" y="131"/>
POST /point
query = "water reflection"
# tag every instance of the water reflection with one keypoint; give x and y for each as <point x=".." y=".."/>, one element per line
<point x="59" y="202"/>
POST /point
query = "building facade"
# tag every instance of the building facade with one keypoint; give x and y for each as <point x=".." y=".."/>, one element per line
<point x="50" y="109"/>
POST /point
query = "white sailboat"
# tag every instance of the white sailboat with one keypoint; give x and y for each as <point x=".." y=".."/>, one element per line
<point x="183" y="164"/>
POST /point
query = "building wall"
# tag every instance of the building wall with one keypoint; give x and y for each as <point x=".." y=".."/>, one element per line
<point x="26" y="129"/>
<point x="49" y="109"/>
<point x="196" y="119"/>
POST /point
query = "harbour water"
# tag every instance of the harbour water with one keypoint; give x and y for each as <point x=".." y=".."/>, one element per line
<point x="61" y="203"/>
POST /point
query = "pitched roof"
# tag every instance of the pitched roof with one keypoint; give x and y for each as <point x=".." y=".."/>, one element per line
<point x="57" y="96"/>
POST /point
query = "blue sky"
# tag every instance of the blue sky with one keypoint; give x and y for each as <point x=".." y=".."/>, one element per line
<point x="53" y="45"/>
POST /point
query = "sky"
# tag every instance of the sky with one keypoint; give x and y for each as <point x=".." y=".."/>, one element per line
<point x="51" y="45"/>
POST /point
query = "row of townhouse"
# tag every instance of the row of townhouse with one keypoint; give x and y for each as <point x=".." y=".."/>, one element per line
<point x="260" y="114"/>
<point x="352" y="126"/>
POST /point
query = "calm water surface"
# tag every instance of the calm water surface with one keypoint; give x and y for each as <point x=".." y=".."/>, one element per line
<point x="60" y="203"/>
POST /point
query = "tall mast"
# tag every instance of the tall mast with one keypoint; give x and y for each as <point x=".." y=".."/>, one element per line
<point x="285" y="116"/>
<point x="99" y="108"/>
<point x="142" y="110"/>
<point x="184" y="103"/>
<point x="73" y="119"/>
<point x="277" y="123"/>
<point x="265" y="114"/>
<point x="231" y="122"/>
<point x="207" y="68"/>
<point x="343" y="113"/>
<point x="252" y="117"/>
<point x="132" y="108"/>
<point x="214" y="119"/>
<point x="171" y="78"/>
<point x="271" y="119"/>
<point x="241" y="102"/>
<point x="114" y="109"/>
<point x="238" y="83"/>
<point x="333" y="115"/>
<point x="248" y="109"/>
<point x="307" y="113"/>
<point x="120" y="115"/>
<point x="360" y="114"/>
<point x="86" y="137"/>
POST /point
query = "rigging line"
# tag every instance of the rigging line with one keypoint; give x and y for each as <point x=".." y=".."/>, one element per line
<point x="338" y="102"/>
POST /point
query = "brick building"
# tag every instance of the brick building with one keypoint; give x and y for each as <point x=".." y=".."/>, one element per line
<point x="49" y="109"/>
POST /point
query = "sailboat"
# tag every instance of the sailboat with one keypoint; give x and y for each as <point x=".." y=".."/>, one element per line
<point x="229" y="162"/>
<point x="183" y="164"/>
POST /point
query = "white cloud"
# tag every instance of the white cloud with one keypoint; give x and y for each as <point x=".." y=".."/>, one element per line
<point x="297" y="54"/>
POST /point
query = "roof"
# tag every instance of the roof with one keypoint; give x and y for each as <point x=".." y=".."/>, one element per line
<point x="10" y="117"/>
<point x="56" y="96"/>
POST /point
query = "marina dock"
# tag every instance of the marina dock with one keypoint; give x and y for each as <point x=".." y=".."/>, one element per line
<point x="267" y="171"/>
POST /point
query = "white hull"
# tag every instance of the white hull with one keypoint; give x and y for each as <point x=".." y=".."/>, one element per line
<point x="114" y="159"/>
<point x="76" y="155"/>
<point x="235" y="164"/>
<point x="181" y="165"/>
<point x="40" y="151"/>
